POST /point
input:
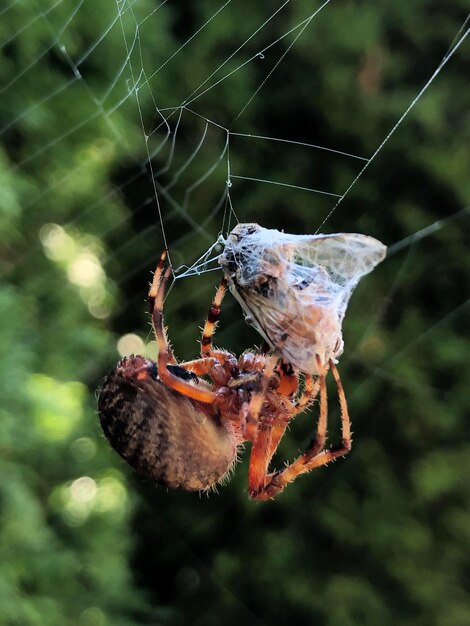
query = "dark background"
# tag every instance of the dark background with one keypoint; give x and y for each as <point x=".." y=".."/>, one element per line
<point x="381" y="537"/>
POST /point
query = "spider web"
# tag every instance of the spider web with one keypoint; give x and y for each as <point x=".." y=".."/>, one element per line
<point x="142" y="80"/>
<point x="200" y="157"/>
<point x="162" y="126"/>
<point x="162" y="133"/>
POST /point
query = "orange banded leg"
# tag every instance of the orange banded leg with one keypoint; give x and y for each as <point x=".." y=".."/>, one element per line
<point x="267" y="442"/>
<point x="212" y="319"/>
<point x="345" y="419"/>
<point x="165" y="355"/>
<point x="268" y="436"/>
<point x="158" y="278"/>
<point x="259" y="481"/>
<point x="279" y="426"/>
<point x="315" y="456"/>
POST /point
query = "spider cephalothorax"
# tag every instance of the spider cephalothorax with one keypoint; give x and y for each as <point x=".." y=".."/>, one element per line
<point x="183" y="430"/>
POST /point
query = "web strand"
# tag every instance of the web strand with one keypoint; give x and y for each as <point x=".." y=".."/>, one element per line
<point x="449" y="54"/>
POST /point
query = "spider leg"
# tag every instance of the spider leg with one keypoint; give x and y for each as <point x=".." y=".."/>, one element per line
<point x="268" y="436"/>
<point x="267" y="441"/>
<point x="165" y="355"/>
<point x="252" y="409"/>
<point x="288" y="380"/>
<point x="345" y="419"/>
<point x="287" y="385"/>
<point x="200" y="367"/>
<point x="211" y="325"/>
<point x="152" y="295"/>
<point x="309" y="393"/>
<point x="209" y="356"/>
<point x="156" y="279"/>
<point x="314" y="456"/>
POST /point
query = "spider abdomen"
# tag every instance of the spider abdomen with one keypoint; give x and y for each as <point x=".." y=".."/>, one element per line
<point x="162" y="434"/>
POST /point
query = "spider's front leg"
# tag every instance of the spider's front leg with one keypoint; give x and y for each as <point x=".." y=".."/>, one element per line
<point x="165" y="355"/>
<point x="210" y="358"/>
<point x="207" y="349"/>
<point x="268" y="486"/>
<point x="155" y="311"/>
<point x="212" y="319"/>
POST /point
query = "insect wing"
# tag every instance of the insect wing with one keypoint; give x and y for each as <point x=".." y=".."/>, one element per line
<point x="346" y="256"/>
<point x="332" y="265"/>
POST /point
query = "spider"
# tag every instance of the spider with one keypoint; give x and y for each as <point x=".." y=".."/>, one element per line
<point x="177" y="428"/>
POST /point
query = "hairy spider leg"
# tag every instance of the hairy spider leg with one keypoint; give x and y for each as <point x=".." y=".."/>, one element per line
<point x="252" y="409"/>
<point x="268" y="438"/>
<point x="267" y="432"/>
<point x="212" y="320"/>
<point x="345" y="419"/>
<point x="309" y="393"/>
<point x="152" y="294"/>
<point x="270" y="435"/>
<point x="199" y="367"/>
<point x="210" y="356"/>
<point x="314" y="456"/>
<point x="157" y="278"/>
<point x="165" y="356"/>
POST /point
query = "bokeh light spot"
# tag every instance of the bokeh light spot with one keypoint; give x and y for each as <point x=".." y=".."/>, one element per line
<point x="130" y="344"/>
<point x="83" y="490"/>
<point x="85" y="270"/>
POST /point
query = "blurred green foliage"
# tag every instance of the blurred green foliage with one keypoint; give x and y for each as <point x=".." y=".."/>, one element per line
<point x="382" y="537"/>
